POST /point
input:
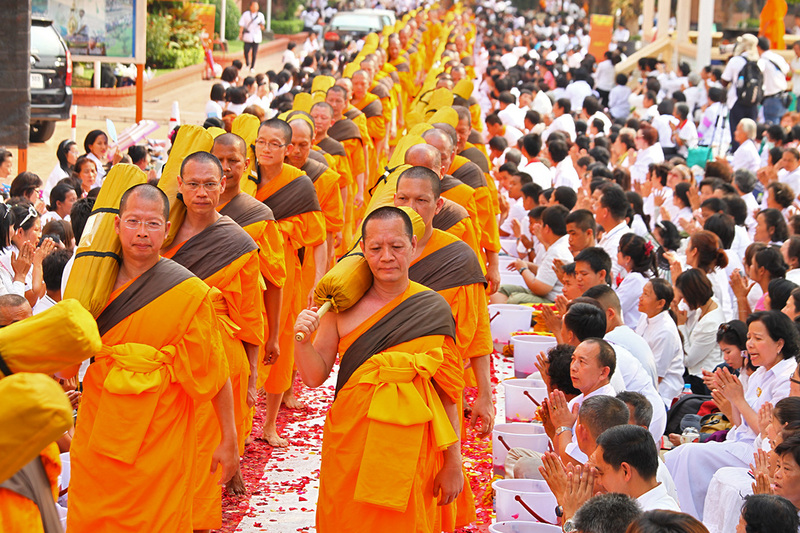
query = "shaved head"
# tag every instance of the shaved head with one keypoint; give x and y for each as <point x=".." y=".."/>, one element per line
<point x="231" y="139"/>
<point x="439" y="139"/>
<point x="13" y="308"/>
<point x="146" y="192"/>
<point x="424" y="155"/>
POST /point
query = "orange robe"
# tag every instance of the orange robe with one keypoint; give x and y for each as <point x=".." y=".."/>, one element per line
<point x="301" y="228"/>
<point x="490" y="234"/>
<point x="18" y="514"/>
<point x="134" y="451"/>
<point x="354" y="147"/>
<point x="240" y="318"/>
<point x="326" y="183"/>
<point x="365" y="442"/>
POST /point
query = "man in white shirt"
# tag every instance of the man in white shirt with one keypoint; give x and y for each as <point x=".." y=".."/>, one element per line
<point x="684" y="133"/>
<point x="618" y="106"/>
<point x="746" y="155"/>
<point x="626" y="460"/>
<point x="509" y="112"/>
<point x="649" y="151"/>
<point x="538" y="171"/>
<point x="496" y="128"/>
<point x="610" y="212"/>
<point x="664" y="123"/>
<point x="775" y="69"/>
<point x="795" y="64"/>
<point x="564" y="173"/>
<point x="562" y="120"/>
<point x="251" y="24"/>
<point x="746" y="50"/>
<point x="579" y="88"/>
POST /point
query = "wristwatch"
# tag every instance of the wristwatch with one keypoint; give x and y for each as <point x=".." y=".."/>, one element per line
<point x="569" y="527"/>
<point x="562" y="429"/>
<point x="521" y="270"/>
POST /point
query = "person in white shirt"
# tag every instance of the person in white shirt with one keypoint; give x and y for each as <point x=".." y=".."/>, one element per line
<point x="610" y="210"/>
<point x="665" y="123"/>
<point x="795" y="64"/>
<point x="684" y="133"/>
<point x="746" y="155"/>
<point x="52" y="270"/>
<point x="790" y="171"/>
<point x="605" y="77"/>
<point x="746" y="50"/>
<point x="636" y="257"/>
<point x="649" y="152"/>
<point x="713" y="129"/>
<point x="509" y="112"/>
<point x="775" y="69"/>
<point x="626" y="462"/>
<point x="579" y="88"/>
<point x="538" y="171"/>
<point x="541" y="281"/>
<point x="564" y="173"/>
<point x="496" y="128"/>
<point x="618" y="106"/>
<point x="660" y="331"/>
<point x="251" y="24"/>
<point x="772" y="344"/>
<point x="562" y="120"/>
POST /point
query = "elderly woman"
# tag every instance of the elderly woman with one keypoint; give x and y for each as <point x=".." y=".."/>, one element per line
<point x="746" y="156"/>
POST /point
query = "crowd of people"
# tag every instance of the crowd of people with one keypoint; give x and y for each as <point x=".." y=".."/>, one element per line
<point x="467" y="157"/>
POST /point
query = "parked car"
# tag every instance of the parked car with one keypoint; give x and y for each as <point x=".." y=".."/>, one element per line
<point x="347" y="26"/>
<point x="51" y="79"/>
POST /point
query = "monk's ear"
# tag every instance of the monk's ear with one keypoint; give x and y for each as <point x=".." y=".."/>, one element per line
<point x="223" y="183"/>
<point x="289" y="150"/>
<point x="439" y="204"/>
<point x="117" y="222"/>
<point x="413" y="242"/>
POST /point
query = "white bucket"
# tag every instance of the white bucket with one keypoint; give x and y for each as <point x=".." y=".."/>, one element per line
<point x="530" y="436"/>
<point x="526" y="350"/>
<point x="518" y="526"/>
<point x="511" y="277"/>
<point x="509" y="246"/>
<point x="534" y="493"/>
<point x="519" y="405"/>
<point x="511" y="318"/>
<point x="504" y="260"/>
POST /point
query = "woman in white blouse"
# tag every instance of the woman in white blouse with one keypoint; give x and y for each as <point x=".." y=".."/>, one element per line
<point x="14" y="270"/>
<point x="636" y="257"/>
<point x="704" y="251"/>
<point x="773" y="343"/>
<point x="698" y="327"/>
<point x="659" y="329"/>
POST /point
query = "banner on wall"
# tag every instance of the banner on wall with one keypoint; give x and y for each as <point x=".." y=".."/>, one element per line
<point x="602" y="28"/>
<point x="99" y="30"/>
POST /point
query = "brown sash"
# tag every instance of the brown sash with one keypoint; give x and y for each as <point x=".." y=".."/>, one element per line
<point x="402" y="67"/>
<point x="421" y="314"/>
<point x="162" y="277"/>
<point x="295" y="198"/>
<point x="214" y="248"/>
<point x="454" y="265"/>
<point x="449" y="182"/>
<point x="475" y="137"/>
<point x="380" y="90"/>
<point x="31" y="482"/>
<point x="246" y="210"/>
<point x="471" y="174"/>
<point x="352" y="113"/>
<point x="373" y="109"/>
<point x="344" y="130"/>
<point x="450" y="215"/>
<point x="477" y="157"/>
<point x="314" y="169"/>
<point x="318" y="156"/>
<point x="395" y="77"/>
<point x="331" y="146"/>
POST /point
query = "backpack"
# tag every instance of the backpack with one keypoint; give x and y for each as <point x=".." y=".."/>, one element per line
<point x="686" y="405"/>
<point x="750" y="84"/>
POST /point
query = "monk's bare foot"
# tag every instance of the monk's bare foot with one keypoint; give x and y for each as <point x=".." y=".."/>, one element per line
<point x="273" y="439"/>
<point x="291" y="401"/>
<point x="235" y="486"/>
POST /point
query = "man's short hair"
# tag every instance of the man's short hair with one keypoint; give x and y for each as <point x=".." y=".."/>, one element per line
<point x="532" y="143"/>
<point x="53" y="268"/>
<point x="565" y="196"/>
<point x="630" y="444"/>
<point x="79" y="214"/>
<point x="282" y="126"/>
<point x="203" y="158"/>
<point x="642" y="408"/>
<point x="584" y="219"/>
<point x="602" y="413"/>
<point x="585" y="320"/>
<point x="560" y="359"/>
<point x="597" y="259"/>
<point x="389" y="212"/>
<point x="553" y="217"/>
<point x="424" y="174"/>
<point x="614" y="199"/>
<point x="137" y="153"/>
<point x="769" y="512"/>
<point x="12" y="300"/>
<point x="231" y="139"/>
<point x="607" y="513"/>
<point x="745" y="180"/>
<point x="532" y="190"/>
<point x="605" y="296"/>
<point x="323" y="105"/>
<point x="148" y="192"/>
<point x="558" y="150"/>
<point x="498" y="143"/>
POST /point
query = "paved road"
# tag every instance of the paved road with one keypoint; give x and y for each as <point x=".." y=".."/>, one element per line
<point x="192" y="98"/>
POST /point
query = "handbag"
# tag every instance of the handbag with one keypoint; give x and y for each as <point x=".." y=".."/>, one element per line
<point x="700" y="155"/>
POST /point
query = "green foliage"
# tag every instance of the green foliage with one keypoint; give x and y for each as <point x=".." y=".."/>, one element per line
<point x="287" y="27"/>
<point x="173" y="36"/>
<point x="232" y="15"/>
<point x="285" y="10"/>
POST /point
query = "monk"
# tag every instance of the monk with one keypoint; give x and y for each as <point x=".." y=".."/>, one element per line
<point x="218" y="251"/>
<point x="259" y="222"/>
<point x="383" y="469"/>
<point x="452" y="217"/>
<point x="135" y="448"/>
<point x="370" y="104"/>
<point x="346" y="132"/>
<point x="450" y="267"/>
<point x="293" y="200"/>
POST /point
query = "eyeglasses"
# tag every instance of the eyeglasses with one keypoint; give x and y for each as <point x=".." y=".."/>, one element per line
<point x="134" y="224"/>
<point x="32" y="213"/>
<point x="209" y="186"/>
<point x="272" y="145"/>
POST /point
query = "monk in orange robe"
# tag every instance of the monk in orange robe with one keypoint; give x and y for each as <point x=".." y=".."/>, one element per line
<point x="399" y="60"/>
<point x="394" y="416"/>
<point x="27" y="499"/>
<point x="135" y="448"/>
<point x="448" y="266"/>
<point x="294" y="203"/>
<point x="259" y="222"/>
<point x="218" y="251"/>
<point x="370" y="104"/>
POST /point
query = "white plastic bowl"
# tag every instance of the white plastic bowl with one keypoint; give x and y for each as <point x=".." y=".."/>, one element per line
<point x="527" y="349"/>
<point x="519" y="405"/>
<point x="511" y="318"/>
<point x="518" y="526"/>
<point x="515" y="435"/>
<point x="535" y="494"/>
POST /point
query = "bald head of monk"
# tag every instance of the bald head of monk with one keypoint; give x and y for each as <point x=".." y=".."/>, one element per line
<point x="231" y="150"/>
<point x="302" y="139"/>
<point x="322" y="113"/>
<point x="420" y="189"/>
<point x="388" y="245"/>
<point x="442" y="142"/>
<point x="13" y="308"/>
<point x="424" y="155"/>
<point x="273" y="145"/>
<point x="142" y="224"/>
<point x="337" y="97"/>
<point x="360" y="80"/>
<point x="464" y="127"/>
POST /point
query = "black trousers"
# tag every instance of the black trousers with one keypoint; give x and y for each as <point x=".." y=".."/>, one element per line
<point x="250" y="49"/>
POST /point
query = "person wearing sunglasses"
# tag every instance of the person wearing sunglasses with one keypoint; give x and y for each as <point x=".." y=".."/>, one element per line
<point x="24" y="237"/>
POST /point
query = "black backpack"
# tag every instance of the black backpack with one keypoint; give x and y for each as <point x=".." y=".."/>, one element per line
<point x="686" y="405"/>
<point x="750" y="84"/>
